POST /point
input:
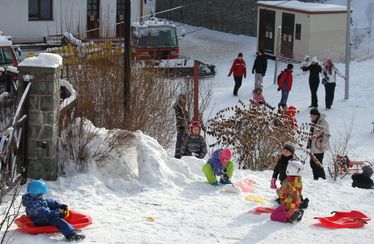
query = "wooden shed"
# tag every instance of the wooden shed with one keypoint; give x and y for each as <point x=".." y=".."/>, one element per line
<point x="296" y="29"/>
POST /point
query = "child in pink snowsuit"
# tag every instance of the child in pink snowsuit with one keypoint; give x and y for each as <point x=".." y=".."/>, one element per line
<point x="259" y="98"/>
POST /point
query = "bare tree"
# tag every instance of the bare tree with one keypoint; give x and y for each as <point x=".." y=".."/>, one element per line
<point x="369" y="16"/>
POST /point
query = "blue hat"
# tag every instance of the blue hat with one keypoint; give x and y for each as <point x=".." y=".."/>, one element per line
<point x="36" y="188"/>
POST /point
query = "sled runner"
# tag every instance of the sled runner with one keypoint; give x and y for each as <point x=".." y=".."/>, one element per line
<point x="353" y="219"/>
<point x="76" y="219"/>
<point x="261" y="210"/>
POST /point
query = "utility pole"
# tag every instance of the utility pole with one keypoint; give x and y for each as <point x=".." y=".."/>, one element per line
<point x="196" y="91"/>
<point x="277" y="47"/>
<point x="126" y="63"/>
<point x="348" y="49"/>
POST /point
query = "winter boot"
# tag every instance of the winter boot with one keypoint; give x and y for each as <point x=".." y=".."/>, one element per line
<point x="304" y="203"/>
<point x="75" y="237"/>
<point x="297" y="216"/>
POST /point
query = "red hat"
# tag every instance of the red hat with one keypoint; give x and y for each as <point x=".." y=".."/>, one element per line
<point x="225" y="154"/>
<point x="194" y="124"/>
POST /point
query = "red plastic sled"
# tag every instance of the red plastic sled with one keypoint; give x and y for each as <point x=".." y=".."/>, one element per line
<point x="353" y="219"/>
<point x="246" y="185"/>
<point x="76" y="219"/>
<point x="260" y="210"/>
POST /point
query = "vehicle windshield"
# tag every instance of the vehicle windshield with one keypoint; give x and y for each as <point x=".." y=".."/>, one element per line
<point x="6" y="56"/>
<point x="157" y="37"/>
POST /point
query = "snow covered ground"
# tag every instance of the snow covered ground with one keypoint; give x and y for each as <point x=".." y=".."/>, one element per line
<point x="143" y="181"/>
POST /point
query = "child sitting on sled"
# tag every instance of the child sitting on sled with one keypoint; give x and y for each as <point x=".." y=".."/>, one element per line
<point x="290" y="195"/>
<point x="259" y="98"/>
<point x="44" y="211"/>
<point x="363" y="180"/>
<point x="219" y="164"/>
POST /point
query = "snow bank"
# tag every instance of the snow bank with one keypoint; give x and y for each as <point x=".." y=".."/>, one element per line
<point x="48" y="60"/>
<point x="72" y="91"/>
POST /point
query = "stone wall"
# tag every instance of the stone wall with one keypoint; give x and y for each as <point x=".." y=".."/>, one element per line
<point x="42" y="125"/>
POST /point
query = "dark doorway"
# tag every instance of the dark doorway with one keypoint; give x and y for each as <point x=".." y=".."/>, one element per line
<point x="266" y="31"/>
<point x="120" y="17"/>
<point x="288" y="29"/>
<point x="93" y="22"/>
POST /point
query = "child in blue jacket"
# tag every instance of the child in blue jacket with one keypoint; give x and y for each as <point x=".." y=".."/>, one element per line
<point x="44" y="211"/>
<point x="219" y="164"/>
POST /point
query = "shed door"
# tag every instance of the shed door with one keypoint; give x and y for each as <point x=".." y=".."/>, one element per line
<point x="266" y="31"/>
<point x="120" y="26"/>
<point x="288" y="29"/>
<point x="93" y="24"/>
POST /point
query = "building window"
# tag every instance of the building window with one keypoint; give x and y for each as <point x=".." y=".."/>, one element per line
<point x="40" y="9"/>
<point x="298" y="32"/>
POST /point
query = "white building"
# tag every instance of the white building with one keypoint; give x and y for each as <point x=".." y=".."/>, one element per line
<point x="313" y="29"/>
<point x="32" y="20"/>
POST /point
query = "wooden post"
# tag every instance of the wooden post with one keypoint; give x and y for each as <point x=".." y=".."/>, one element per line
<point x="196" y="92"/>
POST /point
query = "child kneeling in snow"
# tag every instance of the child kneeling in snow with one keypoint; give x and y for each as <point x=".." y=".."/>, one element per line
<point x="363" y="180"/>
<point x="47" y="211"/>
<point x="290" y="195"/>
<point x="219" y="164"/>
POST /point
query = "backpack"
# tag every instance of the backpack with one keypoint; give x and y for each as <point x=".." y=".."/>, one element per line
<point x="279" y="76"/>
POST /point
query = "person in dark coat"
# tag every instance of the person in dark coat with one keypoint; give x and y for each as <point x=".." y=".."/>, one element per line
<point x="194" y="144"/>
<point x="285" y="84"/>
<point x="280" y="168"/>
<point x="314" y="70"/>
<point x="259" y="67"/>
<point x="182" y="119"/>
<point x="363" y="180"/>
<point x="239" y="70"/>
<point x="319" y="141"/>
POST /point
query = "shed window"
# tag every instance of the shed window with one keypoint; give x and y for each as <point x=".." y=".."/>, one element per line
<point x="40" y="9"/>
<point x="298" y="32"/>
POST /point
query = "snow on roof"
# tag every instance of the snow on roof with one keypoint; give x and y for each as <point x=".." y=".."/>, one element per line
<point x="308" y="7"/>
<point x="48" y="60"/>
<point x="4" y="41"/>
<point x="152" y="22"/>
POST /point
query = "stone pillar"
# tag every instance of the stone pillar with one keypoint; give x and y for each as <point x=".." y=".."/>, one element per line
<point x="42" y="124"/>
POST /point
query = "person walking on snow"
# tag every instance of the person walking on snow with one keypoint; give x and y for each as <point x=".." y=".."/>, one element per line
<point x="194" y="143"/>
<point x="329" y="81"/>
<point x="259" y="67"/>
<point x="318" y="142"/>
<point x="314" y="70"/>
<point x="44" y="211"/>
<point x="239" y="70"/>
<point x="182" y="119"/>
<point x="285" y="84"/>
<point x="219" y="164"/>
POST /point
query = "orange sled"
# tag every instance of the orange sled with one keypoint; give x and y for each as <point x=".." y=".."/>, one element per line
<point x="76" y="219"/>
<point x="353" y="219"/>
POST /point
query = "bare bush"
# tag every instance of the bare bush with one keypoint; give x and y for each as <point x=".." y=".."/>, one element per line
<point x="10" y="210"/>
<point x="253" y="132"/>
<point x="339" y="149"/>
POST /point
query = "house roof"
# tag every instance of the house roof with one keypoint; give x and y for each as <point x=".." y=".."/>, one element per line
<point x="297" y="6"/>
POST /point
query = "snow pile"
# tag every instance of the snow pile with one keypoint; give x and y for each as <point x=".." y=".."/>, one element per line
<point x="47" y="60"/>
<point x="72" y="91"/>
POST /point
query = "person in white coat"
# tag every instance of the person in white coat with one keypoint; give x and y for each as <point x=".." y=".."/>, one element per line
<point x="329" y="81"/>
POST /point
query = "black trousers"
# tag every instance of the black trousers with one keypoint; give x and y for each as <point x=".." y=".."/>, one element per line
<point x="313" y="85"/>
<point x="317" y="171"/>
<point x="330" y="91"/>
<point x="238" y="84"/>
<point x="179" y="143"/>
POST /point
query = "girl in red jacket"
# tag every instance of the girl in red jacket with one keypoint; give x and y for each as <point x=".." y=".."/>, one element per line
<point x="285" y="84"/>
<point x="239" y="70"/>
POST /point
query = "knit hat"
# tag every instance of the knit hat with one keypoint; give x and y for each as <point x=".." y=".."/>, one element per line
<point x="314" y="111"/>
<point x="240" y="55"/>
<point x="289" y="147"/>
<point x="225" y="154"/>
<point x="314" y="60"/>
<point x="289" y="66"/>
<point x="367" y="171"/>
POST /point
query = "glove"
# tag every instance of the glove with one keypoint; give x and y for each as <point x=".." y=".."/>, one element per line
<point x="225" y="176"/>
<point x="273" y="184"/>
<point x="278" y="89"/>
<point x="65" y="212"/>
<point x="64" y="207"/>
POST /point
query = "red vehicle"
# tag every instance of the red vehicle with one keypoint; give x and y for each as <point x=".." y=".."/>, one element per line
<point x="8" y="54"/>
<point x="153" y="40"/>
